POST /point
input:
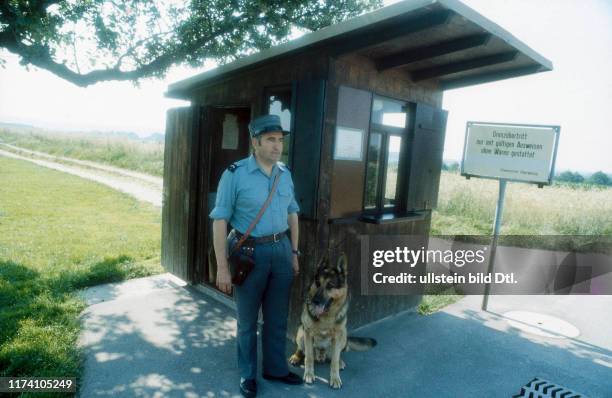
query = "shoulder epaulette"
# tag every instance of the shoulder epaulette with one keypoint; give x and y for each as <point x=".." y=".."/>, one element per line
<point x="283" y="165"/>
<point x="232" y="167"/>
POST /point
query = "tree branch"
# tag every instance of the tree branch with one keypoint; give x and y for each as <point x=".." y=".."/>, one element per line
<point x="40" y="56"/>
<point x="139" y="43"/>
<point x="209" y="32"/>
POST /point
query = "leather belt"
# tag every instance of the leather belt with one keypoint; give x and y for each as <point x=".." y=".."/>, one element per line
<point x="263" y="239"/>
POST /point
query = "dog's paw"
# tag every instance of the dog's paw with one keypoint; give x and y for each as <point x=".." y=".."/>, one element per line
<point x="296" y="360"/>
<point x="335" y="381"/>
<point x="309" y="376"/>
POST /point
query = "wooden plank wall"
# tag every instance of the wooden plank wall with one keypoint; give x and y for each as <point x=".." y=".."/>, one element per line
<point x="344" y="238"/>
<point x="360" y="72"/>
<point x="247" y="88"/>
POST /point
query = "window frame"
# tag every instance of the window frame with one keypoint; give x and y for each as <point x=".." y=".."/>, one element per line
<point x="406" y="135"/>
<point x="267" y="90"/>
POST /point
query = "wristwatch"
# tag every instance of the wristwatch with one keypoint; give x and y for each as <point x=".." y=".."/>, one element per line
<point x="296" y="252"/>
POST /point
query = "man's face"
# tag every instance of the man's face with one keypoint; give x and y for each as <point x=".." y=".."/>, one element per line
<point x="271" y="147"/>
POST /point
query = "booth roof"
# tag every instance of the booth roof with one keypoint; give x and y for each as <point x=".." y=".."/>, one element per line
<point x="440" y="40"/>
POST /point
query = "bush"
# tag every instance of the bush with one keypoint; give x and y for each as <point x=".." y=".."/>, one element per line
<point x="568" y="176"/>
<point x="453" y="167"/>
<point x="600" y="178"/>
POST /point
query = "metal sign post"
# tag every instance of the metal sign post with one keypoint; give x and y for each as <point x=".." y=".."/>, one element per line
<point x="496" y="226"/>
<point x="508" y="152"/>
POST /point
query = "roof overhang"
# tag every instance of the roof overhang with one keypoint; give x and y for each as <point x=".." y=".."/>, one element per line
<point x="443" y="41"/>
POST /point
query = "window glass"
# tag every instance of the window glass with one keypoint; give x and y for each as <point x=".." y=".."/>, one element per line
<point x="393" y="155"/>
<point x="388" y="127"/>
<point x="388" y="112"/>
<point x="373" y="170"/>
<point x="279" y="103"/>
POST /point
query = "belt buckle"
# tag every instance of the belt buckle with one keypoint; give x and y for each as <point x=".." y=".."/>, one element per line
<point x="275" y="238"/>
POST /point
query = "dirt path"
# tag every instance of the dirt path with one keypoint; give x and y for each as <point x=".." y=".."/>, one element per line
<point x="99" y="166"/>
<point x="138" y="185"/>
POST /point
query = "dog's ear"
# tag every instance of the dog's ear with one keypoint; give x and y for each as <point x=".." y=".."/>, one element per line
<point x="342" y="264"/>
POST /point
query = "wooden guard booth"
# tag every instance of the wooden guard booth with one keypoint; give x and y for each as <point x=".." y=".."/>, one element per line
<point x="362" y="100"/>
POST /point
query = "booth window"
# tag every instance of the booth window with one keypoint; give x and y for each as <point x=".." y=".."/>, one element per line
<point x="278" y="102"/>
<point x="386" y="154"/>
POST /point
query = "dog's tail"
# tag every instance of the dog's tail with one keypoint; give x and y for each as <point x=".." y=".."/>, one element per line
<point x="360" y="343"/>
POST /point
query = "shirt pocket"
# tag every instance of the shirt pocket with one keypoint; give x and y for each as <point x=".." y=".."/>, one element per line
<point x="284" y="194"/>
<point x="250" y="200"/>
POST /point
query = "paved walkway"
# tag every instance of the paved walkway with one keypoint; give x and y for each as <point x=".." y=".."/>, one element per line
<point x="156" y="337"/>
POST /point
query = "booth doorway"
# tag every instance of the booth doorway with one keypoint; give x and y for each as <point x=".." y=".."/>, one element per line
<point x="229" y="142"/>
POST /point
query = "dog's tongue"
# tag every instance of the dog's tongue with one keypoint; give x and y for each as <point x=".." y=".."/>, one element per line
<point x="319" y="309"/>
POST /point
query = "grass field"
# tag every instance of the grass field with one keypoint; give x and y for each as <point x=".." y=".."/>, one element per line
<point x="143" y="156"/>
<point x="468" y="207"/>
<point x="60" y="233"/>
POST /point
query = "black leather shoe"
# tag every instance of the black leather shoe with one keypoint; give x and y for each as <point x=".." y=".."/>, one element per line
<point x="248" y="388"/>
<point x="289" y="378"/>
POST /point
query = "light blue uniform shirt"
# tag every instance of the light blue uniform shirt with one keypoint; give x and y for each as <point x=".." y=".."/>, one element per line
<point x="242" y="193"/>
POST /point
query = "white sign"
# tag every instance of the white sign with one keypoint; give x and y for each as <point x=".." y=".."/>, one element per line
<point x="349" y="144"/>
<point x="513" y="152"/>
<point x="230" y="132"/>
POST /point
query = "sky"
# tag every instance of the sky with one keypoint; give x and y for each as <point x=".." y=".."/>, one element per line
<point x="577" y="95"/>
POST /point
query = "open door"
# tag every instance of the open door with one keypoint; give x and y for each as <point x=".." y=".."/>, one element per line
<point x="225" y="141"/>
<point x="426" y="163"/>
<point x="179" y="200"/>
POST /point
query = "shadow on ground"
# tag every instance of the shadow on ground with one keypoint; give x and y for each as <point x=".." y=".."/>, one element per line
<point x="175" y="342"/>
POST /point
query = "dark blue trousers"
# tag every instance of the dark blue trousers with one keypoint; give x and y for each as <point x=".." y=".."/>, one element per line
<point x="267" y="286"/>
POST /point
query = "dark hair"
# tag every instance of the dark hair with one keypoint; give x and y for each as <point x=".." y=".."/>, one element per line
<point x="258" y="138"/>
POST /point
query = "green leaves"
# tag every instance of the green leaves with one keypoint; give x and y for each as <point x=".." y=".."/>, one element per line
<point x="135" y="39"/>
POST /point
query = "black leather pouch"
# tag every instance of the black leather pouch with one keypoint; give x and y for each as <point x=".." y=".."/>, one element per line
<point x="241" y="261"/>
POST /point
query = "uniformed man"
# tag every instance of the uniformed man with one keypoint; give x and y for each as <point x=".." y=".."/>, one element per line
<point x="242" y="191"/>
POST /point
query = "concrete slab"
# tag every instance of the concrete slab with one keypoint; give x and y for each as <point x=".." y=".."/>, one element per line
<point x="173" y="341"/>
<point x="541" y="324"/>
<point x="130" y="288"/>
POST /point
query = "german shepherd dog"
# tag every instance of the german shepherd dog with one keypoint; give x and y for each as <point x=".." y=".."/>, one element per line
<point x="322" y="335"/>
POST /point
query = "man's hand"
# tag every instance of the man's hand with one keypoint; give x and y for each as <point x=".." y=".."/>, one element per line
<point x="292" y="219"/>
<point x="224" y="279"/>
<point x="296" y="265"/>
